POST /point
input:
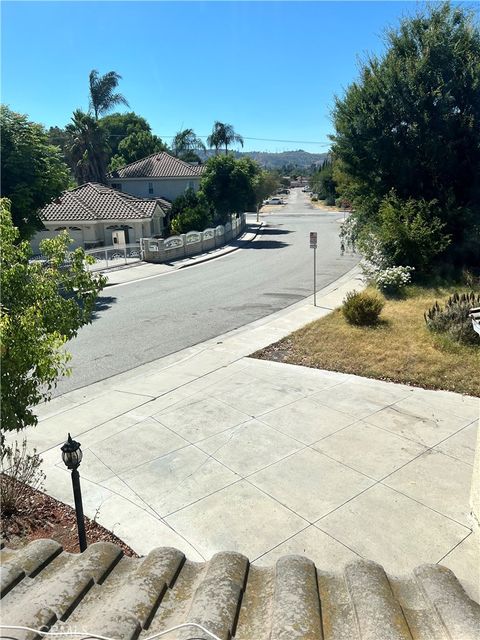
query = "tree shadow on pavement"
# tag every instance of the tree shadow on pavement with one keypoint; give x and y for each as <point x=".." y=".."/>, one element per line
<point x="102" y="304"/>
<point x="273" y="231"/>
<point x="266" y="244"/>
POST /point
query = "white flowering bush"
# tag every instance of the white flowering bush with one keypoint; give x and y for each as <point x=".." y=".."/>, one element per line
<point x="374" y="261"/>
<point x="392" y="279"/>
<point x="348" y="234"/>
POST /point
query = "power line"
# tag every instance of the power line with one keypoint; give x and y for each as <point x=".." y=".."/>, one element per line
<point x="322" y="144"/>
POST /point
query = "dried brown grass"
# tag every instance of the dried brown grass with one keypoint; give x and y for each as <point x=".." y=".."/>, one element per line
<point x="400" y="348"/>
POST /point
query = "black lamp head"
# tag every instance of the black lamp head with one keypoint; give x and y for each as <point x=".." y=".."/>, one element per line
<point x="71" y="453"/>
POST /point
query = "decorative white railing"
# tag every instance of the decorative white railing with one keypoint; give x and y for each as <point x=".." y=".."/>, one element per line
<point x="191" y="243"/>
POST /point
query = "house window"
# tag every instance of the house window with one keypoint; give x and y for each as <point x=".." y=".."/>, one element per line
<point x="117" y="186"/>
<point x="191" y="184"/>
<point x="150" y="188"/>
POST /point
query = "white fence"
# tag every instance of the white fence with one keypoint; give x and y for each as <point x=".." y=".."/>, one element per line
<point x="114" y="256"/>
<point x="191" y="243"/>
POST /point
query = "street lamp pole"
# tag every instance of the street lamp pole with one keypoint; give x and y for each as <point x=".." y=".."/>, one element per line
<point x="72" y="456"/>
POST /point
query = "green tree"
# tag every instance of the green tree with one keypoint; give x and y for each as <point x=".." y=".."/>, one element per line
<point x="412" y="123"/>
<point x="190" y="212"/>
<point x="42" y="307"/>
<point x="137" y="145"/>
<point x="410" y="233"/>
<point x="87" y="149"/>
<point x="223" y="135"/>
<point x="186" y="144"/>
<point x="229" y="185"/>
<point x="33" y="172"/>
<point x="102" y="92"/>
<point x="323" y="182"/>
<point x="118" y="126"/>
<point x="264" y="184"/>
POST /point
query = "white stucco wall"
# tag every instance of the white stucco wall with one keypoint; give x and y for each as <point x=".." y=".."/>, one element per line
<point x="165" y="188"/>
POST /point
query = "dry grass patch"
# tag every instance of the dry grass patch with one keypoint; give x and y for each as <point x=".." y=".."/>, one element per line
<point x="400" y="348"/>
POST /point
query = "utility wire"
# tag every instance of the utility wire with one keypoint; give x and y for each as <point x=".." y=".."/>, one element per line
<point x="322" y="144"/>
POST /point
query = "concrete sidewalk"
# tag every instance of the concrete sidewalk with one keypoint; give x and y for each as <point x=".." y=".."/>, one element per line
<point x="208" y="450"/>
<point x="144" y="270"/>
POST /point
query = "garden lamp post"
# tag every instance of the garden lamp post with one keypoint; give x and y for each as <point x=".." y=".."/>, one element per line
<point x="72" y="456"/>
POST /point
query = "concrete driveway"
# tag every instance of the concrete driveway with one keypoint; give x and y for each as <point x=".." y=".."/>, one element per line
<point x="209" y="450"/>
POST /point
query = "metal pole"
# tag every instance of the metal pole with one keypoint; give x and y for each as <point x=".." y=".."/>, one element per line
<point x="315" y="277"/>
<point x="77" y="495"/>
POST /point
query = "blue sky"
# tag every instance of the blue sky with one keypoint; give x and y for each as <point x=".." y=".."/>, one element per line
<point x="269" y="68"/>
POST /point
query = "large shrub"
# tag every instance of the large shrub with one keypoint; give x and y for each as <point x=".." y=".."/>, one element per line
<point x="190" y="212"/>
<point x="410" y="232"/>
<point x="362" y="308"/>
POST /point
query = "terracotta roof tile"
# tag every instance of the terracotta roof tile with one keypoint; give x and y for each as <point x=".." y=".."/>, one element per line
<point x="158" y="165"/>
<point x="105" y="593"/>
<point x="93" y="201"/>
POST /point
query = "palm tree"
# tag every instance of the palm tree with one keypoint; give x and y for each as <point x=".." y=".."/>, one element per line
<point x="223" y="134"/>
<point x="102" y="96"/>
<point x="185" y="144"/>
<point x="87" y="148"/>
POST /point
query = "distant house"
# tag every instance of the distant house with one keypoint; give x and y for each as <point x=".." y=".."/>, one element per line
<point x="157" y="176"/>
<point x="93" y="213"/>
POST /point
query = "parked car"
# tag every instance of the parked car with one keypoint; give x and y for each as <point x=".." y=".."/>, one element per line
<point x="286" y="191"/>
<point x="274" y="201"/>
<point x="306" y="189"/>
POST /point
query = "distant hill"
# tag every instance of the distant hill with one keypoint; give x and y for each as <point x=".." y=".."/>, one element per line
<point x="299" y="159"/>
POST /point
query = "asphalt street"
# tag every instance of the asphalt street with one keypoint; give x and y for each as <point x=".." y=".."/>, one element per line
<point x="145" y="320"/>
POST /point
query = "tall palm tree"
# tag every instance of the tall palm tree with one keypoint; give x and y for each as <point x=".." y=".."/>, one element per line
<point x="102" y="92"/>
<point x="223" y="134"/>
<point x="185" y="145"/>
<point x="87" y="148"/>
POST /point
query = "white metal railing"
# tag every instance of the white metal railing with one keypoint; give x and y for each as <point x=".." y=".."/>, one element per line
<point x="113" y="256"/>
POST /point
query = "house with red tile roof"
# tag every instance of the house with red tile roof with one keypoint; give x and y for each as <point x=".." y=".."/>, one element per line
<point x="157" y="176"/>
<point x="93" y="212"/>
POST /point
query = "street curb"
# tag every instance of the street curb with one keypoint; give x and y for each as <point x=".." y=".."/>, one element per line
<point x="201" y="260"/>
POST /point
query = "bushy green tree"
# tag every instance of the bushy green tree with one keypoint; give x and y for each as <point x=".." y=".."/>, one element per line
<point x="190" y="212"/>
<point x="118" y="126"/>
<point x="43" y="305"/>
<point x="265" y="183"/>
<point x="33" y="172"/>
<point x="410" y="232"/>
<point x="323" y="183"/>
<point x="196" y="218"/>
<point x="411" y="123"/>
<point x="229" y="185"/>
<point x="135" y="146"/>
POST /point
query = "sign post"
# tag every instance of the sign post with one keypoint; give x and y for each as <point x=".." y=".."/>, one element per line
<point x="313" y="245"/>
